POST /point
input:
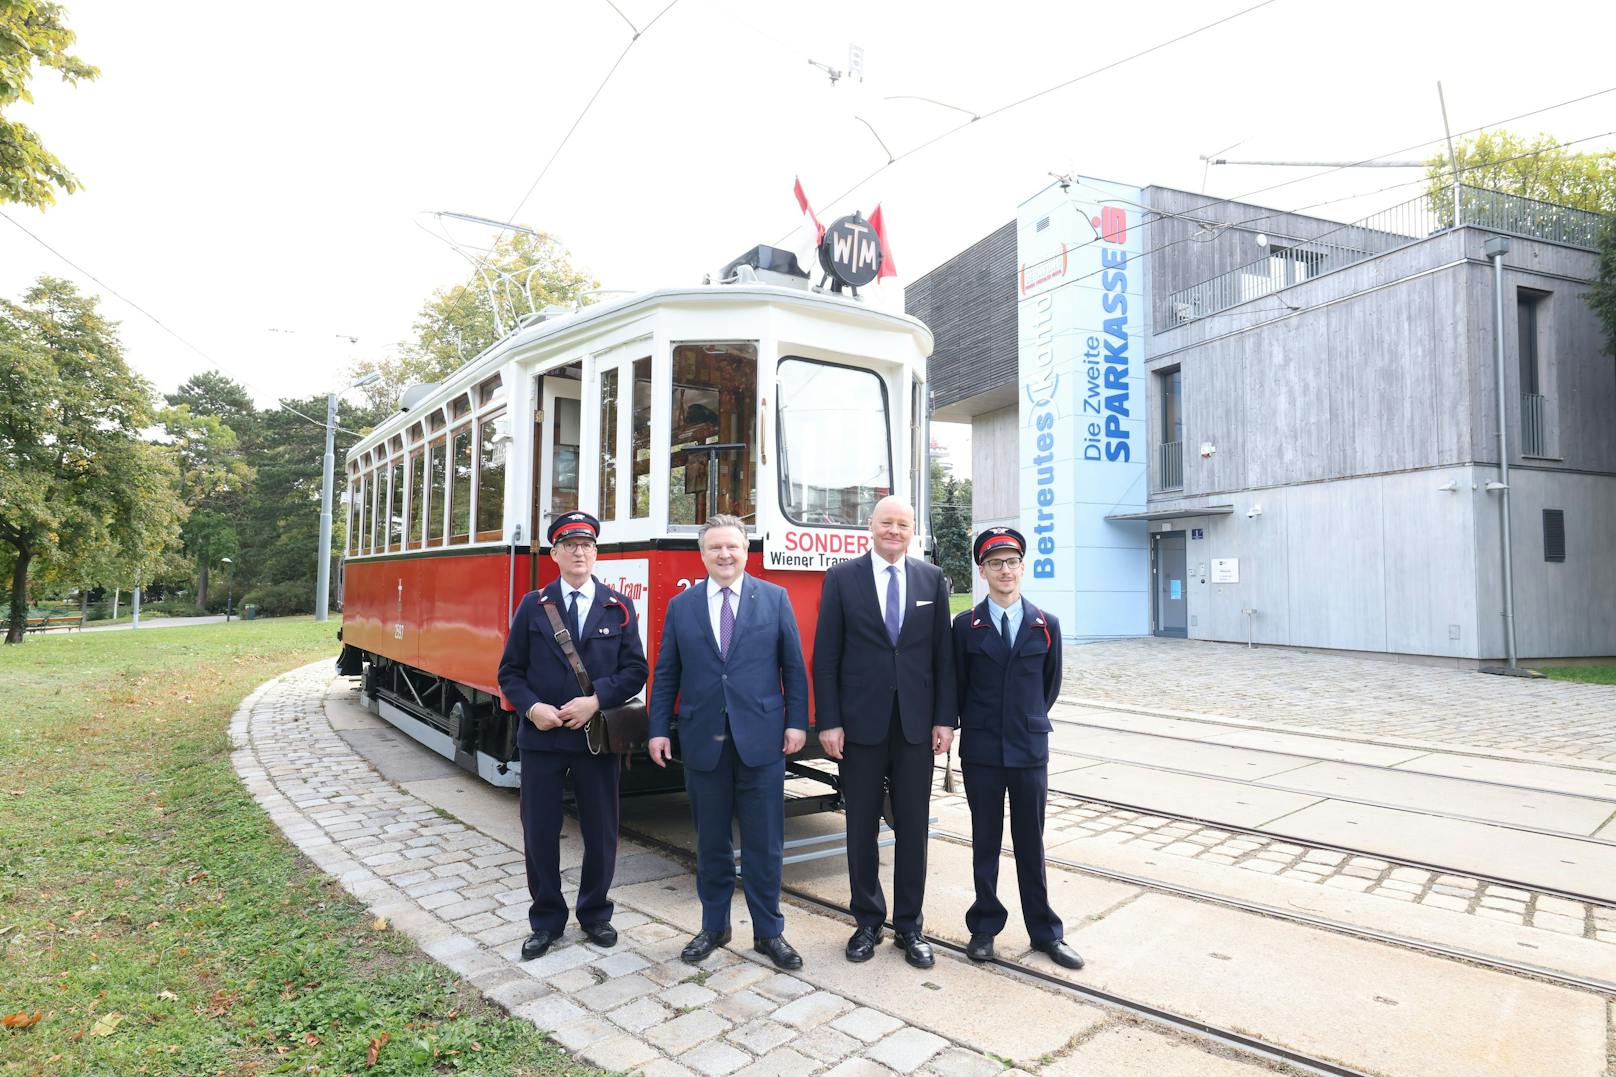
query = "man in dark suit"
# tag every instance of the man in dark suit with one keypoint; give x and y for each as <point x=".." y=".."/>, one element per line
<point x="539" y="683"/>
<point x="884" y="706"/>
<point x="1007" y="658"/>
<point x="729" y="671"/>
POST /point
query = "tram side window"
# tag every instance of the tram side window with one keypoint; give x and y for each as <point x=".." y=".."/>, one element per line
<point x="356" y="491"/>
<point x="608" y="446"/>
<point x="395" y="519"/>
<point x="640" y="440"/>
<point x="460" y="496"/>
<point x="374" y="505"/>
<point x="714" y="403"/>
<point x="490" y="479"/>
<point x="564" y="462"/>
<point x="416" y="469"/>
<point x="437" y="474"/>
<point x="835" y="442"/>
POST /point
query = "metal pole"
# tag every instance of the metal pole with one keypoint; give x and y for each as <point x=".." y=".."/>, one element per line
<point x="1496" y="248"/>
<point x="323" y="588"/>
<point x="1453" y="158"/>
<point x="136" y="623"/>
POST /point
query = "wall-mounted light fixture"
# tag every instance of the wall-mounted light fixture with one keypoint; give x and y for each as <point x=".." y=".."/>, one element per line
<point x="1449" y="487"/>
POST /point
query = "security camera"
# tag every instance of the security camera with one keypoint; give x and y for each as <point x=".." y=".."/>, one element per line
<point x="1255" y="510"/>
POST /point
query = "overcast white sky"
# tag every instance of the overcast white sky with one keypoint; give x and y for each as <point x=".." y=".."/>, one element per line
<point x="258" y="168"/>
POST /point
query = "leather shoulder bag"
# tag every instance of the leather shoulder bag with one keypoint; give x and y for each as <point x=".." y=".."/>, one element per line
<point x="619" y="730"/>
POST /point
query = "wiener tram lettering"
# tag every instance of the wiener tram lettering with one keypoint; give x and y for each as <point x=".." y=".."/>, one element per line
<point x="650" y="412"/>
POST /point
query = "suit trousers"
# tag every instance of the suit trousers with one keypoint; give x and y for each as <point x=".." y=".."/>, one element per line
<point x="594" y="785"/>
<point x="985" y="791"/>
<point x="756" y="796"/>
<point x="868" y="772"/>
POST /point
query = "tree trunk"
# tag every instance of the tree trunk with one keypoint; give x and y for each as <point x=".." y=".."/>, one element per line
<point x="202" y="587"/>
<point x="19" y="595"/>
<point x="115" y="592"/>
<point x="84" y="604"/>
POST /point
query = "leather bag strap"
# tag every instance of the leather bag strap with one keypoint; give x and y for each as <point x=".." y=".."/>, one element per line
<point x="564" y="638"/>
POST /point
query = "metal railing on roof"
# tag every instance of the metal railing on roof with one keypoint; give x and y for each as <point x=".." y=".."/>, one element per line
<point x="1295" y="260"/>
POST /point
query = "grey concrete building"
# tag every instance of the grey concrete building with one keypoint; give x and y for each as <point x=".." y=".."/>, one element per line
<point x="1321" y="410"/>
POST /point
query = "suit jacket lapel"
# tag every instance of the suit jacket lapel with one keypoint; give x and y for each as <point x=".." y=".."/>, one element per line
<point x="704" y="620"/>
<point x="983" y="619"/>
<point x="1032" y="625"/>
<point x="592" y="619"/>
<point x="871" y="601"/>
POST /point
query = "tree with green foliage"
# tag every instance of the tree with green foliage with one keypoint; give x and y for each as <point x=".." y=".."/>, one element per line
<point x="31" y="32"/>
<point x="1537" y="168"/>
<point x="525" y="273"/>
<point x="951" y="526"/>
<point x="76" y="482"/>
<point x="1602" y="294"/>
<point x="214" y="480"/>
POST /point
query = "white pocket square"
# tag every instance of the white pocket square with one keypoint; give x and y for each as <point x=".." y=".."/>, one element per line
<point x="922" y="602"/>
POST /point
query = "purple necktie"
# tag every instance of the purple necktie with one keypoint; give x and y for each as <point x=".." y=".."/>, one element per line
<point x="726" y="625"/>
<point x="893" y="623"/>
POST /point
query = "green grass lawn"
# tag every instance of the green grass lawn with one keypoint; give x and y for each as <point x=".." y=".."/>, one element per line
<point x="1585" y="674"/>
<point x="154" y="915"/>
<point x="959" y="603"/>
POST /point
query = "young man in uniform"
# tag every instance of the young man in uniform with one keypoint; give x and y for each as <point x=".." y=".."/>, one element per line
<point x="1007" y="662"/>
<point x="539" y="682"/>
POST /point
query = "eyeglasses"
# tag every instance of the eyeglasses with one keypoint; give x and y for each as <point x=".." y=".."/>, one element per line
<point x="997" y="563"/>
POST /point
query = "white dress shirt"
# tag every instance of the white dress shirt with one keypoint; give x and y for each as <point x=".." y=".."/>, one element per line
<point x="997" y="612"/>
<point x="586" y="598"/>
<point x="879" y="566"/>
<point x="715" y="605"/>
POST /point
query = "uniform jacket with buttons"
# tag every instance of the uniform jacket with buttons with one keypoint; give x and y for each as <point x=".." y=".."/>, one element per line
<point x="1005" y="692"/>
<point x="534" y="669"/>
<point x="755" y="693"/>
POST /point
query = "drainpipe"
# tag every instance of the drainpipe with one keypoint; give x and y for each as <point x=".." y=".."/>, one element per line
<point x="1495" y="248"/>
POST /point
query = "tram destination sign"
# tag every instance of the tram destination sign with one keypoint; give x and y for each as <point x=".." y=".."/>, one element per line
<point x="850" y="252"/>
<point x="812" y="549"/>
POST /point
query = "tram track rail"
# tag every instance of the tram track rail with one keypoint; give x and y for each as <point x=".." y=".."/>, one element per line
<point x="1326" y="846"/>
<point x="1227" y="1037"/>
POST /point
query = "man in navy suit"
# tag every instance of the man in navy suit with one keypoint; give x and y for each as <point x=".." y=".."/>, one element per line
<point x="1007" y="657"/>
<point x="731" y="660"/>
<point x="539" y="683"/>
<point x="884" y="706"/>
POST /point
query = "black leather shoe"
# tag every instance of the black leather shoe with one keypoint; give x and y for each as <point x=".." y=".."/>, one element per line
<point x="703" y="944"/>
<point x="536" y="944"/>
<point x="861" y="947"/>
<point x="916" y="950"/>
<point x="980" y="948"/>
<point x="601" y="933"/>
<point x="1060" y="953"/>
<point x="779" y="951"/>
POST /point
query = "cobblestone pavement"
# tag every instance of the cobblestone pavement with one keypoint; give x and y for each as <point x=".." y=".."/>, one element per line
<point x="1357" y="697"/>
<point x="462" y="896"/>
<point x="1362" y="874"/>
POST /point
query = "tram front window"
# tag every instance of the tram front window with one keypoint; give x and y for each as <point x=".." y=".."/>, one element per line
<point x="835" y="442"/>
<point x="714" y="404"/>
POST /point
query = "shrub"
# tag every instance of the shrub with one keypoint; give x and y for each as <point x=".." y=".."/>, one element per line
<point x="281" y="599"/>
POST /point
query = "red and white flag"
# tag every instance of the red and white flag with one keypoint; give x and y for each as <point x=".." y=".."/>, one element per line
<point x="888" y="267"/>
<point x="802" y="200"/>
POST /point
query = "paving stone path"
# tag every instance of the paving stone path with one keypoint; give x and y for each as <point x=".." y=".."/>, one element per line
<point x="1357" y="697"/>
<point x="462" y="897"/>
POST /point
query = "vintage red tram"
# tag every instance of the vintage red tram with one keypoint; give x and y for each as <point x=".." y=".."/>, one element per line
<point x="792" y="408"/>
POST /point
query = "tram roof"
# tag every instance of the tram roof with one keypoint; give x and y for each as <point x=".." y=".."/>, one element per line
<point x="600" y="317"/>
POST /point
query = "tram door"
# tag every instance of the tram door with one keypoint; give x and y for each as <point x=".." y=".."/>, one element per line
<point x="556" y="435"/>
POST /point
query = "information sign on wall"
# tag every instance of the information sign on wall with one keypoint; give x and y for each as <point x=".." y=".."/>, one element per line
<point x="1225" y="570"/>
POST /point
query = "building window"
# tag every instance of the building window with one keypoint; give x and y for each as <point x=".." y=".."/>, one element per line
<point x="460" y="494"/>
<point x="491" y="479"/>
<point x="1534" y="427"/>
<point x="1554" y="538"/>
<point x="1170" y="450"/>
<point x="714" y="423"/>
<point x="835" y="442"/>
<point x="608" y="446"/>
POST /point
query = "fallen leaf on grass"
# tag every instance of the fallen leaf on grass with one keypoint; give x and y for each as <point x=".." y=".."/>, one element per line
<point x="17" y="792"/>
<point x="379" y="924"/>
<point x="107" y="1025"/>
<point x="21" y="1020"/>
<point x="376" y="1045"/>
<point x="191" y="879"/>
<point x="167" y="996"/>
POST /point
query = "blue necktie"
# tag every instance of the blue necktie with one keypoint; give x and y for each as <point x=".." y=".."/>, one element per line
<point x="572" y="616"/>
<point x="893" y="622"/>
<point x="1004" y="627"/>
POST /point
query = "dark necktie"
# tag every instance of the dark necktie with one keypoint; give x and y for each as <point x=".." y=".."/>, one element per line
<point x="1004" y="629"/>
<point x="726" y="625"/>
<point x="893" y="622"/>
<point x="572" y="616"/>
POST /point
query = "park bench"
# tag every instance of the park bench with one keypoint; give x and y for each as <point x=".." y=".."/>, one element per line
<point x="45" y="624"/>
